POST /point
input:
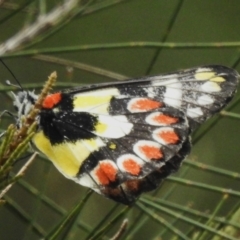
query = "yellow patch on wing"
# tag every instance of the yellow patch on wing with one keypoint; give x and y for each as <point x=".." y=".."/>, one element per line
<point x="211" y="76"/>
<point x="101" y="127"/>
<point x="94" y="101"/>
<point x="217" y="79"/>
<point x="67" y="156"/>
<point x="112" y="146"/>
<point x="204" y="75"/>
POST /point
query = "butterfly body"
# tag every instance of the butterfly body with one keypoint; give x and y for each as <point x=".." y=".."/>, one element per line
<point x="124" y="138"/>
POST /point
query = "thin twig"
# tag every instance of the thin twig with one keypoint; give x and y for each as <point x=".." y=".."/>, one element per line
<point x="124" y="45"/>
<point x="121" y="230"/>
<point x="20" y="173"/>
<point x="42" y="24"/>
<point x="82" y="66"/>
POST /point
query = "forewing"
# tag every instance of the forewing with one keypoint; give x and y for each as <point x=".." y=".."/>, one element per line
<point x="198" y="92"/>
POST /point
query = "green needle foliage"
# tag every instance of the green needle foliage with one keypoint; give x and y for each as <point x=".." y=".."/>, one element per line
<point x="91" y="41"/>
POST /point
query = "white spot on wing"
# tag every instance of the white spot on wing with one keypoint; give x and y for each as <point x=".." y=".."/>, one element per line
<point x="114" y="126"/>
<point x="194" y="112"/>
<point x="150" y="92"/>
<point x="173" y="93"/>
<point x="211" y="87"/>
<point x="203" y="70"/>
<point x="86" y="180"/>
<point x="205" y="100"/>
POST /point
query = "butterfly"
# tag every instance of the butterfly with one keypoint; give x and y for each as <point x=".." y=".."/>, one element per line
<point x="123" y="138"/>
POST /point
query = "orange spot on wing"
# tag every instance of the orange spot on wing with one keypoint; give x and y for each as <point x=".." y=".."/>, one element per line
<point x="161" y="118"/>
<point x="106" y="173"/>
<point x="169" y="137"/>
<point x="145" y="104"/>
<point x="151" y="152"/>
<point x="51" y="100"/>
<point x="131" y="166"/>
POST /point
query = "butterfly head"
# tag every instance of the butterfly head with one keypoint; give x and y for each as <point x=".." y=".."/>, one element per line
<point x="23" y="102"/>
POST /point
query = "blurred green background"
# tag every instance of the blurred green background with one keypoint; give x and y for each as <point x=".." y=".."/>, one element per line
<point x="112" y="40"/>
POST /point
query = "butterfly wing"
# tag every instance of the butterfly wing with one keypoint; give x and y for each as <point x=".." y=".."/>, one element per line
<point x="122" y="139"/>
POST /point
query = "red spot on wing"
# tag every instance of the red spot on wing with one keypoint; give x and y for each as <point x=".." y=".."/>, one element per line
<point x="131" y="166"/>
<point x="51" y="100"/>
<point x="144" y="104"/>
<point x="151" y="152"/>
<point x="164" y="119"/>
<point x="106" y="173"/>
<point x="169" y="136"/>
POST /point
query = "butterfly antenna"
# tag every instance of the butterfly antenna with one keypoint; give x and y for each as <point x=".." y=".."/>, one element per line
<point x="7" y="81"/>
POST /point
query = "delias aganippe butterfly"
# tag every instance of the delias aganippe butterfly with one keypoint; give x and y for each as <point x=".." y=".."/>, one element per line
<point x="122" y="139"/>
